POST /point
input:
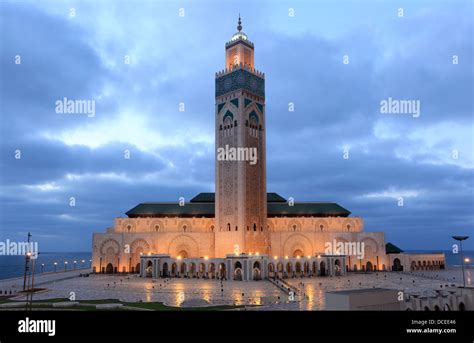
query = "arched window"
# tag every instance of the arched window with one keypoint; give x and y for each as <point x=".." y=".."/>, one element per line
<point x="254" y="227"/>
<point x="184" y="228"/>
<point x="228" y="226"/>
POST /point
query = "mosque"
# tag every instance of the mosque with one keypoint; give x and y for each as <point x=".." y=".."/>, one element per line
<point x="243" y="232"/>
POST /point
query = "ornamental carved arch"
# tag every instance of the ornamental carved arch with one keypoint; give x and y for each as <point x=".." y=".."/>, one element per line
<point x="321" y="225"/>
<point x="294" y="225"/>
<point x="128" y="226"/>
<point x="299" y="244"/>
<point x="139" y="245"/>
<point x="370" y="246"/>
<point x="110" y="246"/>
<point x="156" y="225"/>
<point x="184" y="226"/>
<point x="348" y="225"/>
<point x="183" y="246"/>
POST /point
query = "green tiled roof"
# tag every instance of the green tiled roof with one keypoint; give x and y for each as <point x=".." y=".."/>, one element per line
<point x="202" y="205"/>
<point x="211" y="197"/>
<point x="392" y="249"/>
<point x="275" y="197"/>
<point x="307" y="209"/>
<point x="204" y="197"/>
<point x="172" y="209"/>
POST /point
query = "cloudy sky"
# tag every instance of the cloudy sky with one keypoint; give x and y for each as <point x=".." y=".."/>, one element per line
<point x="78" y="50"/>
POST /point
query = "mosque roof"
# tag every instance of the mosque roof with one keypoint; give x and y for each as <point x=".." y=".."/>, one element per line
<point x="211" y="197"/>
<point x="392" y="249"/>
<point x="202" y="205"/>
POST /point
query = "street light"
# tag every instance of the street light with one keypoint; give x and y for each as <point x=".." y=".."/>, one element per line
<point x="42" y="267"/>
<point x="83" y="261"/>
<point x="75" y="264"/>
<point x="55" y="265"/>
<point x="460" y="239"/>
<point x="65" y="265"/>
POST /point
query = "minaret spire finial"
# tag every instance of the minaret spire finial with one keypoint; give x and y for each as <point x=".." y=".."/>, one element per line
<point x="239" y="26"/>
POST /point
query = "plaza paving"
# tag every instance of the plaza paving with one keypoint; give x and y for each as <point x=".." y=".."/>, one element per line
<point x="201" y="292"/>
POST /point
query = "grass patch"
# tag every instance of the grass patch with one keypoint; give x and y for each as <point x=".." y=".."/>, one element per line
<point x="155" y="306"/>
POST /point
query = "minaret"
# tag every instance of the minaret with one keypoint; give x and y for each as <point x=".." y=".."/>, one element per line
<point x="241" y="201"/>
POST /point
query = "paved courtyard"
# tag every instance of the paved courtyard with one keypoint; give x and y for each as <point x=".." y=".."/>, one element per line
<point x="201" y="292"/>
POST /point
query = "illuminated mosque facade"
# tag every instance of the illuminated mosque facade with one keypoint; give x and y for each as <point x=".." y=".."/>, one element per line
<point x="242" y="232"/>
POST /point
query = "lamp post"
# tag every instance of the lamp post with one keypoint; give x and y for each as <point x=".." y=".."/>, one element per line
<point x="42" y="267"/>
<point x="27" y="262"/>
<point x="55" y="265"/>
<point x="65" y="265"/>
<point x="83" y="261"/>
<point x="75" y="264"/>
<point x="460" y="239"/>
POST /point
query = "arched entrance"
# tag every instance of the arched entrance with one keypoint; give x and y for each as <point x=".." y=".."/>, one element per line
<point x="397" y="265"/>
<point x="174" y="270"/>
<point x="322" y="269"/>
<point x="289" y="269"/>
<point x="462" y="307"/>
<point x="280" y="269"/>
<point x="165" y="272"/>
<point x="192" y="270"/>
<point x="212" y="271"/>
<point x="109" y="269"/>
<point x="222" y="271"/>
<point x="298" y="268"/>
<point x="202" y="269"/>
<point x="149" y="269"/>
<point x="183" y="254"/>
<point x="369" y="267"/>
<point x="315" y="268"/>
<point x="182" y="269"/>
<point x="306" y="268"/>
<point x="238" y="271"/>
<point x="137" y="268"/>
<point x="337" y="267"/>
<point x="298" y="253"/>
<point x="271" y="270"/>
<point x="256" y="273"/>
